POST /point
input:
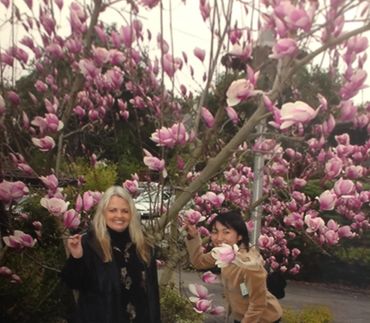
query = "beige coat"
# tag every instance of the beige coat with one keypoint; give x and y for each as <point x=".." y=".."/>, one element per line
<point x="259" y="306"/>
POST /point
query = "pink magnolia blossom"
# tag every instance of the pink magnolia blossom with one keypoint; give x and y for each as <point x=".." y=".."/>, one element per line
<point x="193" y="217"/>
<point x="265" y="242"/>
<point x="59" y="4"/>
<point x="13" y="97"/>
<point x="154" y="163"/>
<point x="169" y="137"/>
<point x="293" y="17"/>
<point x="77" y="18"/>
<point x="265" y="146"/>
<point x="88" y="69"/>
<point x="296" y="112"/>
<point x="224" y="255"/>
<point x="132" y="186"/>
<point x="55" y="51"/>
<point x="15" y="279"/>
<point x="233" y="176"/>
<point x="203" y="231"/>
<point x="345" y="232"/>
<point x="285" y="47"/>
<point x="209" y="277"/>
<point x="207" y="117"/>
<point x="331" y="237"/>
<point x="299" y="183"/>
<point x="54" y="205"/>
<point x="150" y="3"/>
<point x="100" y="55"/>
<point x="354" y="84"/>
<point x="295" y="252"/>
<point x="234" y="35"/>
<point x="344" y="188"/>
<point x="5" y="3"/>
<point x="44" y="144"/>
<point x="127" y="35"/>
<point x="215" y="199"/>
<point x="179" y="133"/>
<point x="41" y="86"/>
<point x="233" y="116"/>
<point x="217" y="310"/>
<point x="313" y="223"/>
<point x="79" y="203"/>
<point x="199" y="292"/>
<point x="295" y="220"/>
<point x="327" y="200"/>
<point x="37" y="225"/>
<point x="50" y="181"/>
<point x="354" y="171"/>
<point x="5" y="271"/>
<point x="199" y="53"/>
<point x="7" y="58"/>
<point x="115" y="56"/>
<point x="71" y="219"/>
<point x="88" y="200"/>
<point x="238" y="91"/>
<point x="243" y="52"/>
<point x="19" y="240"/>
<point x="53" y="123"/>
<point x="202" y="306"/>
<point x="295" y="270"/>
<point x="348" y="111"/>
<point x="25" y="168"/>
<point x="47" y="22"/>
<point x="357" y="44"/>
<point x="171" y="64"/>
<point x="333" y="167"/>
<point x="12" y="191"/>
<point x="205" y="9"/>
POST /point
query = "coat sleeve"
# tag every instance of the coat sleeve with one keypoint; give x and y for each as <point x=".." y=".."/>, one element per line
<point x="256" y="283"/>
<point x="199" y="259"/>
<point x="153" y="291"/>
<point x="75" y="274"/>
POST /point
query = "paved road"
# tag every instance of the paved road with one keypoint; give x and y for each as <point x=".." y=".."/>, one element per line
<point x="347" y="305"/>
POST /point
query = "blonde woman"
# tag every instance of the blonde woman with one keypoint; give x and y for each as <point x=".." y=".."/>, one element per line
<point x="112" y="266"/>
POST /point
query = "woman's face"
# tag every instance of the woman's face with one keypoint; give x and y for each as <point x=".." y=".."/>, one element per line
<point x="117" y="214"/>
<point x="221" y="234"/>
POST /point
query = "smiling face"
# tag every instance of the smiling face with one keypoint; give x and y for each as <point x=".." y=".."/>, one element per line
<point x="117" y="214"/>
<point x="222" y="234"/>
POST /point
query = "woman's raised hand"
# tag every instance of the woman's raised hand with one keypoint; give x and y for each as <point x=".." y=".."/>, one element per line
<point x="191" y="230"/>
<point x="74" y="246"/>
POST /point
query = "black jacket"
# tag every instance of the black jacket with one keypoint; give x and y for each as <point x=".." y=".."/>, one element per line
<point x="98" y="284"/>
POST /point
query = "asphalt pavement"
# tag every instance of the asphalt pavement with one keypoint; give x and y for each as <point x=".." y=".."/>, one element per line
<point x="348" y="305"/>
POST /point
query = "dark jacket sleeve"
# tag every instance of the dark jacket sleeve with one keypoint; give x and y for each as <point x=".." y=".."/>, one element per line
<point x="153" y="291"/>
<point x="76" y="273"/>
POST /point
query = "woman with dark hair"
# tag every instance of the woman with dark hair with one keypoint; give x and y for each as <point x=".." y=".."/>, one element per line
<point x="112" y="267"/>
<point x="245" y="280"/>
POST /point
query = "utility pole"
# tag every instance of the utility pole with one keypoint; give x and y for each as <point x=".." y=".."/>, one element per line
<point x="258" y="166"/>
<point x="265" y="42"/>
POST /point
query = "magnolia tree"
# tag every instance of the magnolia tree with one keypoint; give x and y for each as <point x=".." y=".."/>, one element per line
<point x="97" y="75"/>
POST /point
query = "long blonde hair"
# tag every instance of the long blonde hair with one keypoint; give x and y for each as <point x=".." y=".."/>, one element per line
<point x="100" y="225"/>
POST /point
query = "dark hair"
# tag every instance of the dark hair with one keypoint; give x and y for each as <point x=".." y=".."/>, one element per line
<point x="233" y="220"/>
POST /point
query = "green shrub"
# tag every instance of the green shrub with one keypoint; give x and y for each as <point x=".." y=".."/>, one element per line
<point x="354" y="255"/>
<point x="98" y="177"/>
<point x="177" y="309"/>
<point x="309" y="314"/>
